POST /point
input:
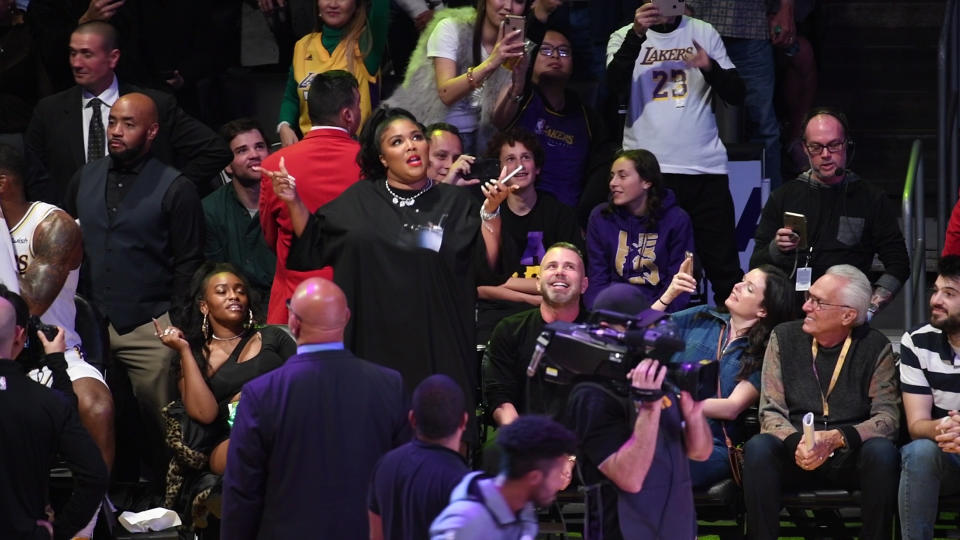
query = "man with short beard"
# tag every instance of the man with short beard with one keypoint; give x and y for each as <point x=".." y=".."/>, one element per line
<point x="930" y="382"/>
<point x="143" y="235"/>
<point x="232" y="214"/>
<point x="561" y="283"/>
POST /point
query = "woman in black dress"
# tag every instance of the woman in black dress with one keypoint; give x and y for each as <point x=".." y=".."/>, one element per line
<point x="221" y="348"/>
<point x="408" y="253"/>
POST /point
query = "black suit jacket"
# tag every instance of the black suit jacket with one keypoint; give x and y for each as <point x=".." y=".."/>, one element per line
<point x="55" y="151"/>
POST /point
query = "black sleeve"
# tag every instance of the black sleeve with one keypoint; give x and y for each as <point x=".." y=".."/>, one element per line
<point x="181" y="205"/>
<point x="89" y="476"/>
<point x="599" y="422"/>
<point x="37" y="184"/>
<point x="765" y="249"/>
<point x="70" y="198"/>
<point x="61" y="381"/>
<point x="502" y="376"/>
<point x="726" y="82"/>
<point x="306" y="251"/>
<point x="620" y="69"/>
<point x="596" y="188"/>
<point x="890" y="246"/>
<point x="198" y="152"/>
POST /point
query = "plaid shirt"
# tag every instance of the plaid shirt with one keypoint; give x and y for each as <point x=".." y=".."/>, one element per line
<point x="734" y="18"/>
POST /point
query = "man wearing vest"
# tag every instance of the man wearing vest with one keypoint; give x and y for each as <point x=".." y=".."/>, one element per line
<point x="143" y="234"/>
<point x="836" y="367"/>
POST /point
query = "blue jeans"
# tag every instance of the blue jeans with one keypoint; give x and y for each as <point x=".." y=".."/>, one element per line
<point x="704" y="474"/>
<point x="754" y="61"/>
<point x="926" y="473"/>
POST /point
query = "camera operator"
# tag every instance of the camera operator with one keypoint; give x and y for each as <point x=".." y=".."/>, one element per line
<point x="37" y="423"/>
<point x="638" y="442"/>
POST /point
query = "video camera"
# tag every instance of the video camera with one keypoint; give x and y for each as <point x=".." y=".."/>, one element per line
<point x="33" y="356"/>
<point x="599" y="349"/>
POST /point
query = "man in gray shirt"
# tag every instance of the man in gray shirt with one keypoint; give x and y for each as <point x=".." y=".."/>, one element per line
<point x="536" y="451"/>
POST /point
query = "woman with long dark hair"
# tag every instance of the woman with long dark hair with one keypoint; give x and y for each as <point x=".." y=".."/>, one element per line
<point x="735" y="335"/>
<point x="407" y="252"/>
<point x="640" y="236"/>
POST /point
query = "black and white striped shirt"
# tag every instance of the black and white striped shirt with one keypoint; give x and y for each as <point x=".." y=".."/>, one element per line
<point x="930" y="366"/>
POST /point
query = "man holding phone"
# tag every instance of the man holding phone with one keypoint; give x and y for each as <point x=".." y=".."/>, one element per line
<point x="847" y="220"/>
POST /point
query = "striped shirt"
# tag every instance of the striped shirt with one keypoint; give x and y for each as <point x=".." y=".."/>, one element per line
<point x="929" y="366"/>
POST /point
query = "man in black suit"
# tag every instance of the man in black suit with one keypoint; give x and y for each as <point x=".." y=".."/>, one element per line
<point x="307" y="434"/>
<point x="68" y="128"/>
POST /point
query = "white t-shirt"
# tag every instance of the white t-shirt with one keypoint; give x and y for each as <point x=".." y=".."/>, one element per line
<point x="444" y="42"/>
<point x="669" y="112"/>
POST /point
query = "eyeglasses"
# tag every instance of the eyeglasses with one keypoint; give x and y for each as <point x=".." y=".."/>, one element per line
<point x="548" y="51"/>
<point x="832" y="147"/>
<point x="290" y="309"/>
<point x="819" y="304"/>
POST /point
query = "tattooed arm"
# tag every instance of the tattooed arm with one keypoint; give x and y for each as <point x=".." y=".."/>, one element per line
<point x="58" y="249"/>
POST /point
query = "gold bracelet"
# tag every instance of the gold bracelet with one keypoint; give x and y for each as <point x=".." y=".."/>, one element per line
<point x="472" y="80"/>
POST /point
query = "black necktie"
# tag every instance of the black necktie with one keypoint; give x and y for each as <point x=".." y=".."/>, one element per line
<point x="95" y="137"/>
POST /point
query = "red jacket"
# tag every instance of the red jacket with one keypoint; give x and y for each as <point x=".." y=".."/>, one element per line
<point x="324" y="164"/>
<point x="951" y="241"/>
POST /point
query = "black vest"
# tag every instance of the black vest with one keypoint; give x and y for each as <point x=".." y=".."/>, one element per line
<point x="850" y="402"/>
<point x="129" y="262"/>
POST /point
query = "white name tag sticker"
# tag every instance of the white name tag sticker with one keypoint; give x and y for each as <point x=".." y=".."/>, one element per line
<point x="803" y="278"/>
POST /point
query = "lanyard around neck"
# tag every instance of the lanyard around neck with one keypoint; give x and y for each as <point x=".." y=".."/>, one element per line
<point x="836" y="371"/>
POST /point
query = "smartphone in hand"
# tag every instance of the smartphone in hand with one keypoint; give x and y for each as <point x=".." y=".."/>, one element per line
<point x="670" y="8"/>
<point x="798" y="224"/>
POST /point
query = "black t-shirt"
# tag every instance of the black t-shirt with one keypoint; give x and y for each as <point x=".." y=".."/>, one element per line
<point x="664" y="507"/>
<point x="505" y="368"/>
<point x="411" y="485"/>
<point x="549" y="222"/>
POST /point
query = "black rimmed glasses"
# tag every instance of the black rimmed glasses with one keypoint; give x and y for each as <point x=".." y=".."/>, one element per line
<point x="548" y="51"/>
<point x="819" y="304"/>
<point x="816" y="148"/>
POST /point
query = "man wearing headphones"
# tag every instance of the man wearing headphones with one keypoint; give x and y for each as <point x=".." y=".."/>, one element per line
<point x="838" y="218"/>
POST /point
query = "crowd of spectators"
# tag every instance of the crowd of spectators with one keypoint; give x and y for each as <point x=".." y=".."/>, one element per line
<point x="320" y="338"/>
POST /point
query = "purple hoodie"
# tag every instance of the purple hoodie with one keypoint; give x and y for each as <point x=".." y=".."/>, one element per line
<point x="621" y="248"/>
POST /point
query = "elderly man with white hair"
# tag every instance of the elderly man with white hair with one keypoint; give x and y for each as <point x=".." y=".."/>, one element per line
<point x="836" y="367"/>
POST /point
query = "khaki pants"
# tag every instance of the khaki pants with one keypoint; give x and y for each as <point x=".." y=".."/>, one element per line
<point x="147" y="362"/>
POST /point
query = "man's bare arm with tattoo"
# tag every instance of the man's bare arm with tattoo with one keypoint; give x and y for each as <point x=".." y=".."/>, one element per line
<point x="58" y="249"/>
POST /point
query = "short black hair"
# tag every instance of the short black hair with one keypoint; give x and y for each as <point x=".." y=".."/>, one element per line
<point x="949" y="266"/>
<point x="438" y="407"/>
<point x="12" y="163"/>
<point x="443" y="126"/>
<point x="103" y="29"/>
<point x="330" y="92"/>
<point x="512" y="137"/>
<point x="530" y="442"/>
<point x="241" y="125"/>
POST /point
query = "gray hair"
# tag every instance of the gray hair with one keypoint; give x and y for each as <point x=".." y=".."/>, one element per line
<point x="858" y="291"/>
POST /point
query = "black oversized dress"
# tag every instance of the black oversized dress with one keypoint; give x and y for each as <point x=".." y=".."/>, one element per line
<point x="410" y="275"/>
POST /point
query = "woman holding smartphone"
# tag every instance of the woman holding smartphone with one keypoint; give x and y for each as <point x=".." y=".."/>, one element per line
<point x="455" y="74"/>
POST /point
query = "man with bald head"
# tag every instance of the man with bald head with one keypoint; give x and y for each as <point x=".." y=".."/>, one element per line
<point x="143" y="234"/>
<point x="37" y="424"/>
<point x="69" y="129"/>
<point x="308" y="434"/>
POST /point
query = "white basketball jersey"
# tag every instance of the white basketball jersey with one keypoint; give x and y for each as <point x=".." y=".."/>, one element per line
<point x="62" y="312"/>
